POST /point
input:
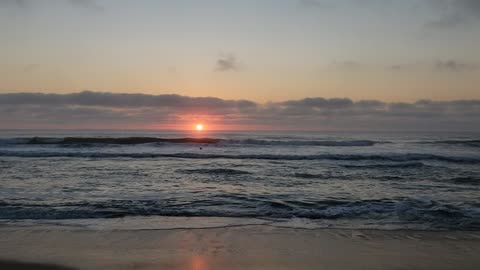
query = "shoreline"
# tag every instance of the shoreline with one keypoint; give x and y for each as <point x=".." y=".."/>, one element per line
<point x="241" y="247"/>
<point x="145" y="223"/>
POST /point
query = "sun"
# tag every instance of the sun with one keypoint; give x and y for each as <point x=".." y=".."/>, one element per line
<point x="199" y="127"/>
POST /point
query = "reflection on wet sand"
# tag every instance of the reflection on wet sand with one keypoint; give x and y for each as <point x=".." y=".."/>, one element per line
<point x="199" y="263"/>
<point x="14" y="265"/>
<point x="239" y="248"/>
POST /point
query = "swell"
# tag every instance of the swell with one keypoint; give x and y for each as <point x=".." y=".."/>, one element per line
<point x="468" y="143"/>
<point x="345" y="157"/>
<point x="81" y="141"/>
<point x="345" y="143"/>
<point x="218" y="171"/>
<point x="403" y="165"/>
<point x="474" y="181"/>
<point x="256" y="142"/>
<point x="128" y="140"/>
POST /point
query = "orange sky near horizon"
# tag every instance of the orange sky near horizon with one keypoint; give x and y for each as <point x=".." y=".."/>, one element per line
<point x="261" y="51"/>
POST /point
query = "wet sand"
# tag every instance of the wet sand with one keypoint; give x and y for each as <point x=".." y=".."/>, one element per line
<point x="29" y="266"/>
<point x="247" y="247"/>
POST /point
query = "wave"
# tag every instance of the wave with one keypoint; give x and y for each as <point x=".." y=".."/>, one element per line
<point x="404" y="165"/>
<point x="432" y="214"/>
<point x="215" y="171"/>
<point x="469" y="143"/>
<point x="82" y="141"/>
<point x="343" y="157"/>
<point x="311" y="176"/>
<point x="466" y="181"/>
<point x="346" y="143"/>
<point x="8" y="141"/>
<point x="127" y="140"/>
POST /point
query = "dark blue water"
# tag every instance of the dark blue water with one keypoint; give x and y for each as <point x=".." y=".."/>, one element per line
<point x="354" y="180"/>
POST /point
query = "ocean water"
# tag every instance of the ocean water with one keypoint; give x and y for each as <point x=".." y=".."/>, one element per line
<point x="302" y="179"/>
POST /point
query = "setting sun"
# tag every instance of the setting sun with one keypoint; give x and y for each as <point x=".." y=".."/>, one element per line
<point x="199" y="127"/>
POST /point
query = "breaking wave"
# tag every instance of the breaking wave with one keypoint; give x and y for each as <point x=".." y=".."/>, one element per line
<point x="432" y="214"/>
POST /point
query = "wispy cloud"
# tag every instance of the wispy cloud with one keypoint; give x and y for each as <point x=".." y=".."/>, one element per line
<point x="316" y="4"/>
<point x="227" y="62"/>
<point x="19" y="3"/>
<point x="91" y="5"/>
<point x="400" y="67"/>
<point x="448" y="65"/>
<point x="454" y="65"/>
<point x="346" y="65"/>
<point x="95" y="109"/>
<point x="453" y="13"/>
<point x="30" y="68"/>
<point x="87" y="4"/>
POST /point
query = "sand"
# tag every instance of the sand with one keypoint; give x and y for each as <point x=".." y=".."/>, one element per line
<point x="244" y="247"/>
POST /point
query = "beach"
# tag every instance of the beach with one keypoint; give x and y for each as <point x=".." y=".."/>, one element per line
<point x="238" y="200"/>
<point x="240" y="135"/>
<point x="240" y="247"/>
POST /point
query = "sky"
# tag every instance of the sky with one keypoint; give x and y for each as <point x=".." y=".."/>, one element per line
<point x="292" y="64"/>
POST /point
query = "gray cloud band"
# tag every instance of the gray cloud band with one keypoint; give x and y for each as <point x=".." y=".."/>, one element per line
<point x="23" y="110"/>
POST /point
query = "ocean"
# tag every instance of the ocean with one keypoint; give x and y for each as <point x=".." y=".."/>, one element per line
<point x="421" y="181"/>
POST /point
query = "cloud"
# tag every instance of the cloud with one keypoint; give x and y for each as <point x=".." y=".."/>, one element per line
<point x="400" y="67"/>
<point x="19" y="3"/>
<point x="455" y="12"/>
<point x="30" y="68"/>
<point x="113" y="110"/>
<point x="227" y="63"/>
<point x="87" y="4"/>
<point x="454" y="65"/>
<point x="347" y="65"/>
<point x="316" y="4"/>
<point x="448" y="65"/>
<point x="114" y="100"/>
<point x="448" y="13"/>
<point x="91" y="5"/>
